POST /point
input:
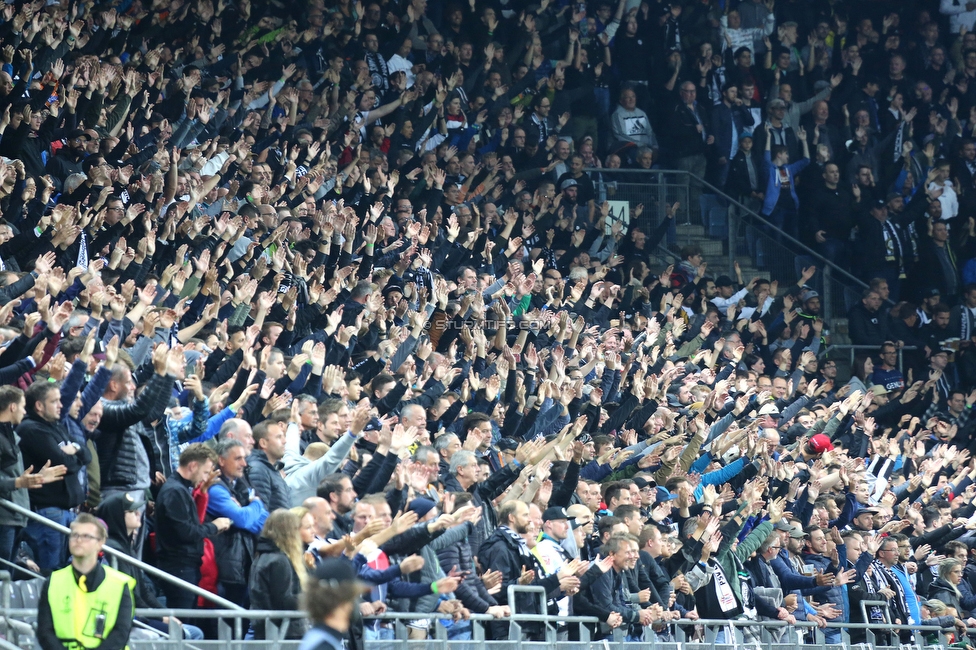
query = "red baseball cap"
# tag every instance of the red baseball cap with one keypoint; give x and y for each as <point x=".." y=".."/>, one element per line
<point x="821" y="443"/>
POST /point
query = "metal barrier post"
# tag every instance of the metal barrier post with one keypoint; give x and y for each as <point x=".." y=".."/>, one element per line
<point x="512" y="591"/>
<point x="868" y="632"/>
<point x="827" y="302"/>
<point x="731" y="230"/>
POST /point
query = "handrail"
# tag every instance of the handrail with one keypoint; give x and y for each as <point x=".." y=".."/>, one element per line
<point x="822" y="262"/>
<point x="854" y="348"/>
<point x="148" y="568"/>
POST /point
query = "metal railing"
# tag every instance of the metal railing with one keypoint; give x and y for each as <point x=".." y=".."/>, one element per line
<point x="743" y="232"/>
<point x="147" y="568"/>
<point x="852" y="351"/>
<point x="676" y="634"/>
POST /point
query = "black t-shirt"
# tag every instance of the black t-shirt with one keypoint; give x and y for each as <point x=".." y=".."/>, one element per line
<point x="584" y="187"/>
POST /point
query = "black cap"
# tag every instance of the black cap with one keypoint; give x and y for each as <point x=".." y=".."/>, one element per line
<point x="555" y="513"/>
<point x="335" y="571"/>
<point x="507" y="444"/>
<point x="77" y="133"/>
<point x="879" y="204"/>
<point x="723" y="281"/>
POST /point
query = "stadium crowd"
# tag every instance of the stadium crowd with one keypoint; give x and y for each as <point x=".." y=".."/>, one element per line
<point x="284" y="282"/>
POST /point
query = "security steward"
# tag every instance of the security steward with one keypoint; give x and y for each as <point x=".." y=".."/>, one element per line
<point x="86" y="604"/>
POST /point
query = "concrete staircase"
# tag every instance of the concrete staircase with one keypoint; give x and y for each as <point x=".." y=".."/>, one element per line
<point x="715" y="253"/>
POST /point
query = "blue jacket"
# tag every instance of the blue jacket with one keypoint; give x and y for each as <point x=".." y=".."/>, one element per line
<point x="833" y="595"/>
<point x="773" y="184"/>
<point x="250" y="517"/>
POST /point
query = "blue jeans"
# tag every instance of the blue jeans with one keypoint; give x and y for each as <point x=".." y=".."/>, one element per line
<point x="381" y="634"/>
<point x="192" y="632"/>
<point x="52" y="546"/>
<point x="460" y="631"/>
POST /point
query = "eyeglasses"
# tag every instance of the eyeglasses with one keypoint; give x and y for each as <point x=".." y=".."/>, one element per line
<point x="85" y="537"/>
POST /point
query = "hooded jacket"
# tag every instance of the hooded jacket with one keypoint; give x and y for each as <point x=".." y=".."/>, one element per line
<point x="112" y="512"/>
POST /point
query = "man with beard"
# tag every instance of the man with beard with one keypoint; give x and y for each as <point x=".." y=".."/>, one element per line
<point x="68" y="159"/>
<point x="505" y="550"/>
<point x="816" y="553"/>
<point x="937" y="329"/>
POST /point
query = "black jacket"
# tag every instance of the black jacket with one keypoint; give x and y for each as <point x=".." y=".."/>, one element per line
<point x="942" y="590"/>
<point x="471" y="591"/>
<point x="829" y="210"/>
<point x="867" y="328"/>
<point x="274" y="585"/>
<point x="501" y="553"/>
<point x="112" y="512"/>
<point x="686" y="139"/>
<point x="737" y="185"/>
<point x="483" y="494"/>
<point x="42" y="441"/>
<point x="179" y="533"/>
<point x="234" y="548"/>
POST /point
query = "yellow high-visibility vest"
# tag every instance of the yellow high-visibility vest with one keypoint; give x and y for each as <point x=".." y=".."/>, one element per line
<point x="75" y="611"/>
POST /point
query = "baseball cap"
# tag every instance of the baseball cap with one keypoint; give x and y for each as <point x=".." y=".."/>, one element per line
<point x="820" y="443"/>
<point x="335" y="571"/>
<point x="507" y="444"/>
<point x="878" y="389"/>
<point x="421" y="506"/>
<point x="555" y="513"/>
<point x="134" y="501"/>
<point x="723" y="281"/>
<point x="569" y="182"/>
<point x="664" y="495"/>
<point x="769" y="409"/>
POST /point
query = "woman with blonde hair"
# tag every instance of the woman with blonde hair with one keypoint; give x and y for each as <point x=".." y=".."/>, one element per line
<point x="278" y="572"/>
<point x="946" y="586"/>
<point x="306" y="530"/>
